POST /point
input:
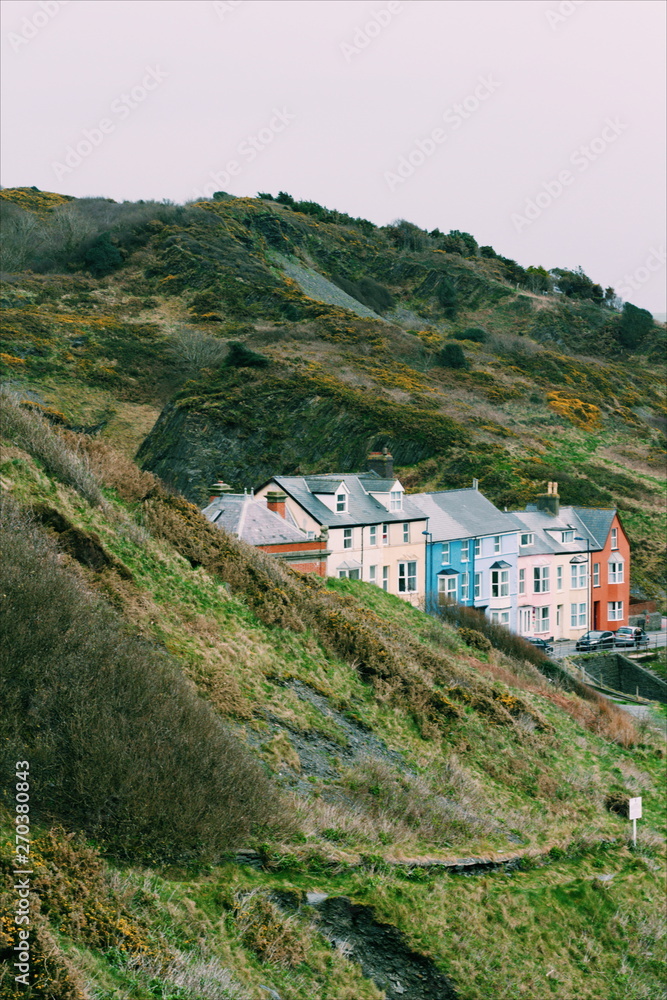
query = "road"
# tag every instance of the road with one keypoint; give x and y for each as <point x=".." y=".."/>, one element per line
<point x="656" y="640"/>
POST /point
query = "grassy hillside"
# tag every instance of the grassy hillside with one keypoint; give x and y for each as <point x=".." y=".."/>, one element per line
<point x="397" y="802"/>
<point x="117" y="313"/>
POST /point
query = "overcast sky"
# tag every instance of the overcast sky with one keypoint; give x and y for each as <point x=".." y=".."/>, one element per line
<point x="536" y="125"/>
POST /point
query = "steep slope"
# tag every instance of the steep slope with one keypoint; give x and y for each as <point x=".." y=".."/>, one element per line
<point x="399" y="747"/>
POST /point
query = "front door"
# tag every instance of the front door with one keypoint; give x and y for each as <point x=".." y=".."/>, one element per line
<point x="596" y="614"/>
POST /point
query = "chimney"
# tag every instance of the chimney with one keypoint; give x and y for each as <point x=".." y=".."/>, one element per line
<point x="549" y="502"/>
<point x="218" y="490"/>
<point x="475" y="484"/>
<point x="382" y="463"/>
<point x="275" y="501"/>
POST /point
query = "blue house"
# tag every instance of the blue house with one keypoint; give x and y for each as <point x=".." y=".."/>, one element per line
<point x="472" y="553"/>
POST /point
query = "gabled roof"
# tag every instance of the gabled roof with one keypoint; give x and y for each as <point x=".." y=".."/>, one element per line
<point x="251" y="520"/>
<point x="463" y="514"/>
<point x="362" y="508"/>
<point x="598" y="522"/>
<point x="544" y="526"/>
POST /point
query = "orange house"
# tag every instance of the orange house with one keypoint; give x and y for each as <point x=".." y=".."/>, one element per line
<point x="610" y="562"/>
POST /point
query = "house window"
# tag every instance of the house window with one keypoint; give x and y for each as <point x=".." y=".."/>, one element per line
<point x="542" y="619"/>
<point x="478" y="546"/>
<point x="478" y="585"/>
<point x="465" y="551"/>
<point x="445" y="553"/>
<point x="496" y="543"/>
<point x="396" y="500"/>
<point x="385" y="534"/>
<point x="615" y="572"/>
<point x="578" y="615"/>
<point x="406" y="531"/>
<point x="524" y="620"/>
<point x="352" y="574"/>
<point x="559" y="577"/>
<point x="578" y="576"/>
<point x="500" y="582"/>
<point x="372" y="574"/>
<point x="347" y="538"/>
<point x="567" y="536"/>
<point x="559" y="614"/>
<point x="522" y="581"/>
<point x="407" y="577"/>
<point x="385" y="578"/>
<point x="341" y="503"/>
<point x="465" y="586"/>
<point x="596" y="574"/>
<point x="541" y="580"/>
<point x="614" y="538"/>
<point x="374" y="534"/>
<point x="527" y="538"/>
<point x="447" y="587"/>
<point x="615" y="611"/>
<point x="500" y="618"/>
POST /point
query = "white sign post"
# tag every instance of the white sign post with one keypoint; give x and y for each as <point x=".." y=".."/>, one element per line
<point x="635" y="813"/>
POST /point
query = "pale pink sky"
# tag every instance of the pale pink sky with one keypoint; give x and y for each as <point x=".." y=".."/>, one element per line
<point x="536" y="125"/>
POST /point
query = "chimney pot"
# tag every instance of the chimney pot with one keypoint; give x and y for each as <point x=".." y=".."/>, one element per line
<point x="382" y="463"/>
<point x="549" y="502"/>
<point x="219" y="490"/>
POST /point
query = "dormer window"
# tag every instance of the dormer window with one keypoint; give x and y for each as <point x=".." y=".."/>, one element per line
<point x="396" y="500"/>
<point x="527" y="538"/>
<point x="341" y="503"/>
<point x="567" y="536"/>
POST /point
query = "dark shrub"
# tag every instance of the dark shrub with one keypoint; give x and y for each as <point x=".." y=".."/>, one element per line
<point x="447" y="297"/>
<point x="634" y="326"/>
<point x="102" y="257"/>
<point x="240" y="356"/>
<point x="367" y="291"/>
<point x="474" y="333"/>
<point x="451" y="356"/>
<point x="119" y="742"/>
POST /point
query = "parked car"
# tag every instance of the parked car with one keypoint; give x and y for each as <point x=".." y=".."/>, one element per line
<point x="595" y="640"/>
<point x="543" y="644"/>
<point x="628" y="635"/>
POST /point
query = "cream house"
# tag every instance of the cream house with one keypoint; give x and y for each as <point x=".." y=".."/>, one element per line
<point x="375" y="533"/>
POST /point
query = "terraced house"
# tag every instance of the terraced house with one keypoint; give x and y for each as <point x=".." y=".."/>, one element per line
<point x="375" y="533"/>
<point x="574" y="565"/>
<point x="472" y="553"/>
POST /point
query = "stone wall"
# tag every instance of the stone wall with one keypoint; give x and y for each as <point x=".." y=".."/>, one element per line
<point x="618" y="672"/>
<point x="654" y="621"/>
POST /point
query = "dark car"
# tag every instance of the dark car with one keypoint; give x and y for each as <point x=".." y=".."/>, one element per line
<point x="627" y="635"/>
<point x="595" y="640"/>
<point x="543" y="644"/>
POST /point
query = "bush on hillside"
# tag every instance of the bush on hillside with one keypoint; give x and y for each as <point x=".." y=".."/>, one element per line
<point x="240" y="356"/>
<point x="634" y="327"/>
<point x="447" y="297"/>
<point x="451" y="356"/>
<point x="119" y="742"/>
<point x="102" y="257"/>
<point x="367" y="291"/>
<point x="474" y="333"/>
<point x="197" y="350"/>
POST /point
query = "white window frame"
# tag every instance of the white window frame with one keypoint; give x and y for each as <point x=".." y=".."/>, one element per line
<point x="615" y="611"/>
<point x="385" y="578"/>
<point x="407" y="576"/>
<point x="522" y="581"/>
<point x="347" y="538"/>
<point x="578" y="576"/>
<point x="372" y="574"/>
<point x="477" y="586"/>
<point x="373" y="531"/>
<point x="525" y="620"/>
<point x="616" y="574"/>
<point x="341" y="503"/>
<point x="349" y="574"/>
<point x="501" y="618"/>
<point x="385" y="534"/>
<point x="578" y="615"/>
<point x="542" y="619"/>
<point x="500" y="583"/>
<point x="465" y="550"/>
<point x="478" y="547"/>
<point x="445" y="553"/>
<point x="526" y="538"/>
<point x="465" y="586"/>
<point x="614" y="539"/>
<point x="396" y="500"/>
<point x="596" y="574"/>
<point x="559" y="577"/>
<point x="567" y="536"/>
<point x="406" y="531"/>
<point x="541" y="583"/>
<point x="497" y="543"/>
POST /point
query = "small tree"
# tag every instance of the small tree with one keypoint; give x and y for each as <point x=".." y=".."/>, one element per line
<point x="447" y="297"/>
<point x="240" y="356"/>
<point x="634" y="326"/>
<point x="451" y="356"/>
<point x="102" y="257"/>
<point x="474" y="333"/>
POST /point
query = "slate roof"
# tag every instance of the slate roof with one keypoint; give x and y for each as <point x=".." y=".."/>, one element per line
<point x="251" y="520"/>
<point x="542" y="524"/>
<point x="362" y="507"/>
<point x="598" y="521"/>
<point x="463" y="514"/>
